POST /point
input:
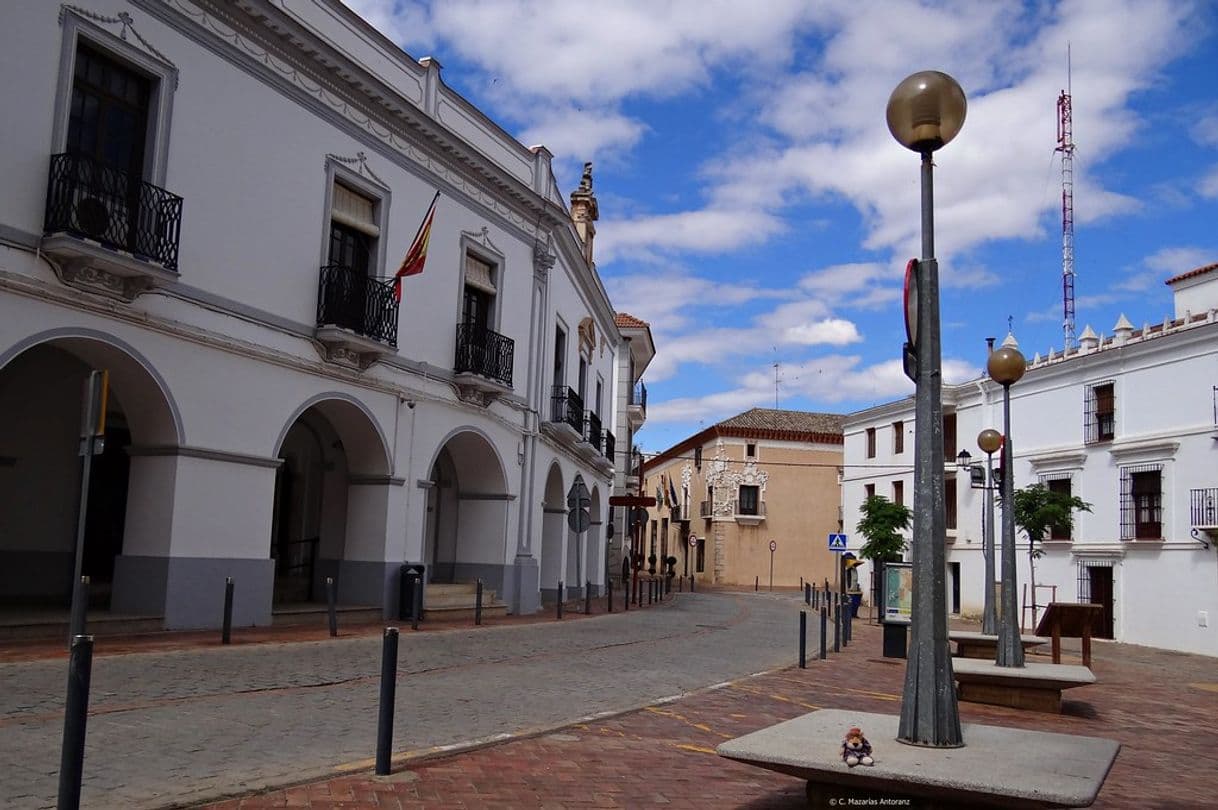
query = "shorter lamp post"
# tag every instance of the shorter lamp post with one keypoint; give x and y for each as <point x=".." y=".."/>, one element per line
<point x="989" y="440"/>
<point x="1006" y="366"/>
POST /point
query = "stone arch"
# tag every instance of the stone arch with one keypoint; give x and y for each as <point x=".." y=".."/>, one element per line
<point x="553" y="530"/>
<point x="363" y="439"/>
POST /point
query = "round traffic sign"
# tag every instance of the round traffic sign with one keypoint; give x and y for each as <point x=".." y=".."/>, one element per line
<point x="693" y="540"/>
<point x="773" y="545"/>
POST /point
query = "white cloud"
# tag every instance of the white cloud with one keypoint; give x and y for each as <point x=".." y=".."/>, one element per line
<point x="1207" y="186"/>
<point x="572" y="133"/>
<point x="1205" y="130"/>
<point x="704" y="231"/>
<point x="831" y="331"/>
<point x="1172" y="261"/>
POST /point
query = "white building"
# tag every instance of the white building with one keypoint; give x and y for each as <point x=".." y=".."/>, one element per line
<point x="1128" y="423"/>
<point x="631" y="415"/>
<point x="207" y="198"/>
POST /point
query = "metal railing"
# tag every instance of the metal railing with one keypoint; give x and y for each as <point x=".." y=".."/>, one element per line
<point x="610" y="446"/>
<point x="638" y="396"/>
<point x="1203" y="506"/>
<point x="88" y="199"/>
<point x="484" y="352"/>
<point x="592" y="429"/>
<point x="358" y="302"/>
<point x="566" y="406"/>
<point x="759" y="511"/>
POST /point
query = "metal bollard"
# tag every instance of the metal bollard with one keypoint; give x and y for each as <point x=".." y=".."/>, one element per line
<point x="651" y="591"/>
<point x="801" y="583"/>
<point x="808" y="593"/>
<point x="626" y="593"/>
<point x="756" y="583"/>
<point x="75" y="716"/>
<point x="848" y="628"/>
<point x="226" y="634"/>
<point x="80" y="609"/>
<point x="561" y="593"/>
<point x="837" y="624"/>
<point x="478" y="604"/>
<point x="609" y="593"/>
<point x="680" y="584"/>
<point x="384" y="722"/>
<point x="416" y="611"/>
<point x="691" y="583"/>
<point x="332" y="606"/>
<point x="803" y="639"/>
<point x="824" y="631"/>
<point x="587" y="597"/>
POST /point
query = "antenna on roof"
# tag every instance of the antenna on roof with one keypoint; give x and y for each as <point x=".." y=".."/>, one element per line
<point x="1065" y="145"/>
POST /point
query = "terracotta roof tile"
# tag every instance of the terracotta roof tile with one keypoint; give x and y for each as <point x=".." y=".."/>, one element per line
<point x="1192" y="273"/>
<point x="627" y="321"/>
<point x="787" y="421"/>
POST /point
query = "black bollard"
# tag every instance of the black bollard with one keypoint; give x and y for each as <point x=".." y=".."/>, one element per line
<point x="80" y="609"/>
<point x="808" y="593"/>
<point x="609" y="593"/>
<point x="844" y="610"/>
<point x="478" y="604"/>
<point x="680" y="584"/>
<point x="803" y="639"/>
<point x="587" y="597"/>
<point x="76" y="713"/>
<point x="626" y="593"/>
<point x="837" y="624"/>
<point x="416" y="611"/>
<point x="561" y="592"/>
<point x="801" y="583"/>
<point x="824" y="631"/>
<point x="691" y="583"/>
<point x="756" y="583"/>
<point x="332" y="606"/>
<point x="389" y="678"/>
<point x="226" y="634"/>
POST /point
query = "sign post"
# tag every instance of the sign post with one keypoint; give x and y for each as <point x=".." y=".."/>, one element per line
<point x="578" y="520"/>
<point x="773" y="548"/>
<point x="638" y="505"/>
<point x="837" y="544"/>
<point x="92" y="442"/>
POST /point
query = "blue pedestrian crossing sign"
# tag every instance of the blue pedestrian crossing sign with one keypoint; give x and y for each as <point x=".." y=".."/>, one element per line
<point x="837" y="542"/>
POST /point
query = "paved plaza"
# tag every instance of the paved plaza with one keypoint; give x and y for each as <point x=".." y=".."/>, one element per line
<point x="173" y="727"/>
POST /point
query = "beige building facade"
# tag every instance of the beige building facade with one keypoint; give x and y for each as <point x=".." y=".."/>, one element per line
<point x="725" y="494"/>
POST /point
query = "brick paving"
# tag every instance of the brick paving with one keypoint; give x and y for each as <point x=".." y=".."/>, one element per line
<point x="1162" y="707"/>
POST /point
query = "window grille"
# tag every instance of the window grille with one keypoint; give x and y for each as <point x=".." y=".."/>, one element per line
<point x="1084" y="577"/>
<point x="749" y="497"/>
<point x="949" y="503"/>
<point x="1099" y="412"/>
<point x="1058" y="482"/>
<point x="1142" y="502"/>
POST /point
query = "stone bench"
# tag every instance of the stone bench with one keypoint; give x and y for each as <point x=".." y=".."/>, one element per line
<point x="971" y="644"/>
<point x="997" y="767"/>
<point x="1033" y="686"/>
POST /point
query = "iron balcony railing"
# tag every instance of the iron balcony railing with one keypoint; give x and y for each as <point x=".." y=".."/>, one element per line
<point x="566" y="406"/>
<point x="592" y="429"/>
<point x="358" y="302"/>
<point x="757" y="509"/>
<point x="610" y="446"/>
<point x="1203" y="506"/>
<point x="484" y="352"/>
<point x="638" y="396"/>
<point x="91" y="200"/>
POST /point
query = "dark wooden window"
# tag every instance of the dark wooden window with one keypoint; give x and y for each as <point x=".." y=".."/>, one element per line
<point x="350" y="248"/>
<point x="476" y="307"/>
<point x="750" y="450"/>
<point x="700" y="563"/>
<point x="870" y="442"/>
<point x="949" y="502"/>
<point x="697" y="458"/>
<point x="898" y="437"/>
<point x="1062" y="487"/>
<point x="949" y="438"/>
<point x="1142" y="502"/>
<point x="560" y="354"/>
<point x="898" y="493"/>
<point x="749" y="498"/>
<point x="108" y="119"/>
<point x="868" y="490"/>
<point x="1099" y="414"/>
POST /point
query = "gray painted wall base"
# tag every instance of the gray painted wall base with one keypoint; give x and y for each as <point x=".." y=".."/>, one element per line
<point x="189" y="591"/>
<point x="367" y="582"/>
<point x="526" y="586"/>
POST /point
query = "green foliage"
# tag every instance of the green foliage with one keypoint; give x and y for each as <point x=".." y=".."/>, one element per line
<point x="881" y="523"/>
<point x="1038" y="509"/>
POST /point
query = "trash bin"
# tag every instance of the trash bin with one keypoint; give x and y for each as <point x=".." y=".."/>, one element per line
<point x="406" y="587"/>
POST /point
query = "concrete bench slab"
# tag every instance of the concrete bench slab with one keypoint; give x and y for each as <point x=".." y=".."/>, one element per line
<point x="1033" y="686"/>
<point x="997" y="767"/>
<point x="971" y="644"/>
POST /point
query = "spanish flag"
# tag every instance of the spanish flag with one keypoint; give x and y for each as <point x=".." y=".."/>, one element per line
<point x="412" y="265"/>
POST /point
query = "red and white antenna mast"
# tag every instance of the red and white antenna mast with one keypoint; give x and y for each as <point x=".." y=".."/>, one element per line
<point x="1065" y="145"/>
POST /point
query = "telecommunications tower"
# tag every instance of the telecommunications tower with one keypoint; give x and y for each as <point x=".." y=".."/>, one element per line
<point x="1065" y="145"/>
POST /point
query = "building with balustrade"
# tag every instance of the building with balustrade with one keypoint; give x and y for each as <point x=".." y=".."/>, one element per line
<point x="725" y="493"/>
<point x="209" y="200"/>
<point x="1128" y="422"/>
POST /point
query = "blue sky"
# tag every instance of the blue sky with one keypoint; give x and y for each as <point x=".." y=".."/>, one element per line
<point x="755" y="209"/>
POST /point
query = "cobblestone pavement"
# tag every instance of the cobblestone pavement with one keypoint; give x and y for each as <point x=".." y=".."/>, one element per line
<point x="174" y="727"/>
<point x="1162" y="707"/>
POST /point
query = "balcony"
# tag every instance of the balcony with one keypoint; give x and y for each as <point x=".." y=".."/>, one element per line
<point x="748" y="513"/>
<point x="483" y="366"/>
<point x="1203" y="511"/>
<point x="590" y="443"/>
<point x="636" y="410"/>
<point x="610" y="447"/>
<point x="357" y="317"/>
<point x="112" y="232"/>
<point x="566" y="421"/>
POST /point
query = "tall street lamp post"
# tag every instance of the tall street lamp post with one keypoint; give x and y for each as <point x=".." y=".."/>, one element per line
<point x="989" y="440"/>
<point x="926" y="111"/>
<point x="1006" y="366"/>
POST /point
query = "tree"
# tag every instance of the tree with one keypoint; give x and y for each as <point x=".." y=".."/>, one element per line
<point x="881" y="523"/>
<point x="1039" y="509"/>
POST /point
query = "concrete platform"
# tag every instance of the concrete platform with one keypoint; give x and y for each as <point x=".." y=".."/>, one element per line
<point x="997" y="767"/>
<point x="970" y="644"/>
<point x="1034" y="686"/>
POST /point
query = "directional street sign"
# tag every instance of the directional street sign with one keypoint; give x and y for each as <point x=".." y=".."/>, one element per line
<point x="837" y="542"/>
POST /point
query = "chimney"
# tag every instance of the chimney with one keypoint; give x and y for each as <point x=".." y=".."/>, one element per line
<point x="1088" y="341"/>
<point x="584" y="211"/>
<point x="1122" y="331"/>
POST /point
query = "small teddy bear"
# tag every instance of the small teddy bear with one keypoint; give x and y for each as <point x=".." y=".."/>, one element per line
<point x="855" y="749"/>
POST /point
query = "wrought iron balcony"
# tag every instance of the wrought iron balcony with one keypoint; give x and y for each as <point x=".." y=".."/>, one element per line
<point x="567" y="408"/>
<point x="354" y="301"/>
<point x="610" y="446"/>
<point x="592" y="430"/>
<point x="1203" y="507"/>
<point x="90" y="200"/>
<point x="484" y="352"/>
<point x="638" y="396"/>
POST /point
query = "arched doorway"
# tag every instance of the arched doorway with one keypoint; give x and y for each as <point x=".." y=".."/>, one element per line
<point x="41" y="398"/>
<point x="330" y="446"/>
<point x="553" y="533"/>
<point x="465" y="532"/>
<point x="594" y="544"/>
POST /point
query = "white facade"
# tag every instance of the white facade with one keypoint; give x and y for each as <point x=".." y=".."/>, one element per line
<point x="1141" y="452"/>
<point x="631" y="408"/>
<point x="274" y="416"/>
